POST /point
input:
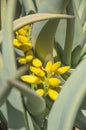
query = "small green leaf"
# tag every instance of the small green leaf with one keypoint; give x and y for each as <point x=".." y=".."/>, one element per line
<point x="76" y="54"/>
<point x="28" y="6"/>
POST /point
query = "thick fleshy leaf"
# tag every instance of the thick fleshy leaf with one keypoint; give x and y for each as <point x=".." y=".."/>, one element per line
<point x="79" y="38"/>
<point x="33" y="102"/>
<point x="78" y="34"/>
<point x="29" y="121"/>
<point x="81" y="8"/>
<point x="69" y="100"/>
<point x="44" y="32"/>
<point x="34" y="18"/>
<point x="18" y="121"/>
<point x="80" y="121"/>
<point x="79" y="51"/>
<point x="3" y="120"/>
<point x="69" y="36"/>
<point x="36" y="104"/>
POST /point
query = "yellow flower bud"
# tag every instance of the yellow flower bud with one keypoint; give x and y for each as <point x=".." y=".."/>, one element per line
<point x="29" y="52"/>
<point x="29" y="58"/>
<point x="26" y="46"/>
<point x="29" y="55"/>
<point x="22" y="38"/>
<point x="53" y="94"/>
<point x="53" y="82"/>
<point x="36" y="62"/>
<point x="22" y="32"/>
<point x="26" y="27"/>
<point x="62" y="70"/>
<point x="48" y="66"/>
<point x="22" y="60"/>
<point x="16" y="43"/>
<point x="31" y="79"/>
<point x="40" y="92"/>
<point x="37" y="71"/>
<point x="55" y="66"/>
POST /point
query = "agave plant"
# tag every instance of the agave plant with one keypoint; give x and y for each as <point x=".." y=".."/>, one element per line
<point x="42" y="43"/>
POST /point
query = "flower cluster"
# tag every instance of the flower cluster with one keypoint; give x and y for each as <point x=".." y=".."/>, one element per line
<point x="23" y="43"/>
<point x="44" y="77"/>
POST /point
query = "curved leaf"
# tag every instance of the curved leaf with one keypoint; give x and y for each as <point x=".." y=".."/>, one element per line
<point x="69" y="100"/>
<point x="29" y="121"/>
<point x="76" y="54"/>
<point x="7" y="47"/>
<point x="80" y="121"/>
<point x="78" y="31"/>
<point x="69" y="36"/>
<point x="34" y="18"/>
<point x="36" y="104"/>
<point x="3" y="123"/>
<point x="44" y="32"/>
<point x="13" y="105"/>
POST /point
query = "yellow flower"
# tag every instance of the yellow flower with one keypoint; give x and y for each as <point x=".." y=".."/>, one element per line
<point x="26" y="46"/>
<point x="16" y="43"/>
<point x="29" y="52"/>
<point x="45" y="77"/>
<point x="48" y="66"/>
<point x="22" y="60"/>
<point x="29" y="55"/>
<point x="21" y="32"/>
<point x="36" y="62"/>
<point x="62" y="70"/>
<point x="40" y="92"/>
<point x="53" y="94"/>
<point x="55" y="66"/>
<point x="22" y="39"/>
<point x="54" y="82"/>
<point x="37" y="71"/>
<point x="29" y="58"/>
<point x="51" y="68"/>
<point x="31" y="79"/>
<point x="27" y="27"/>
